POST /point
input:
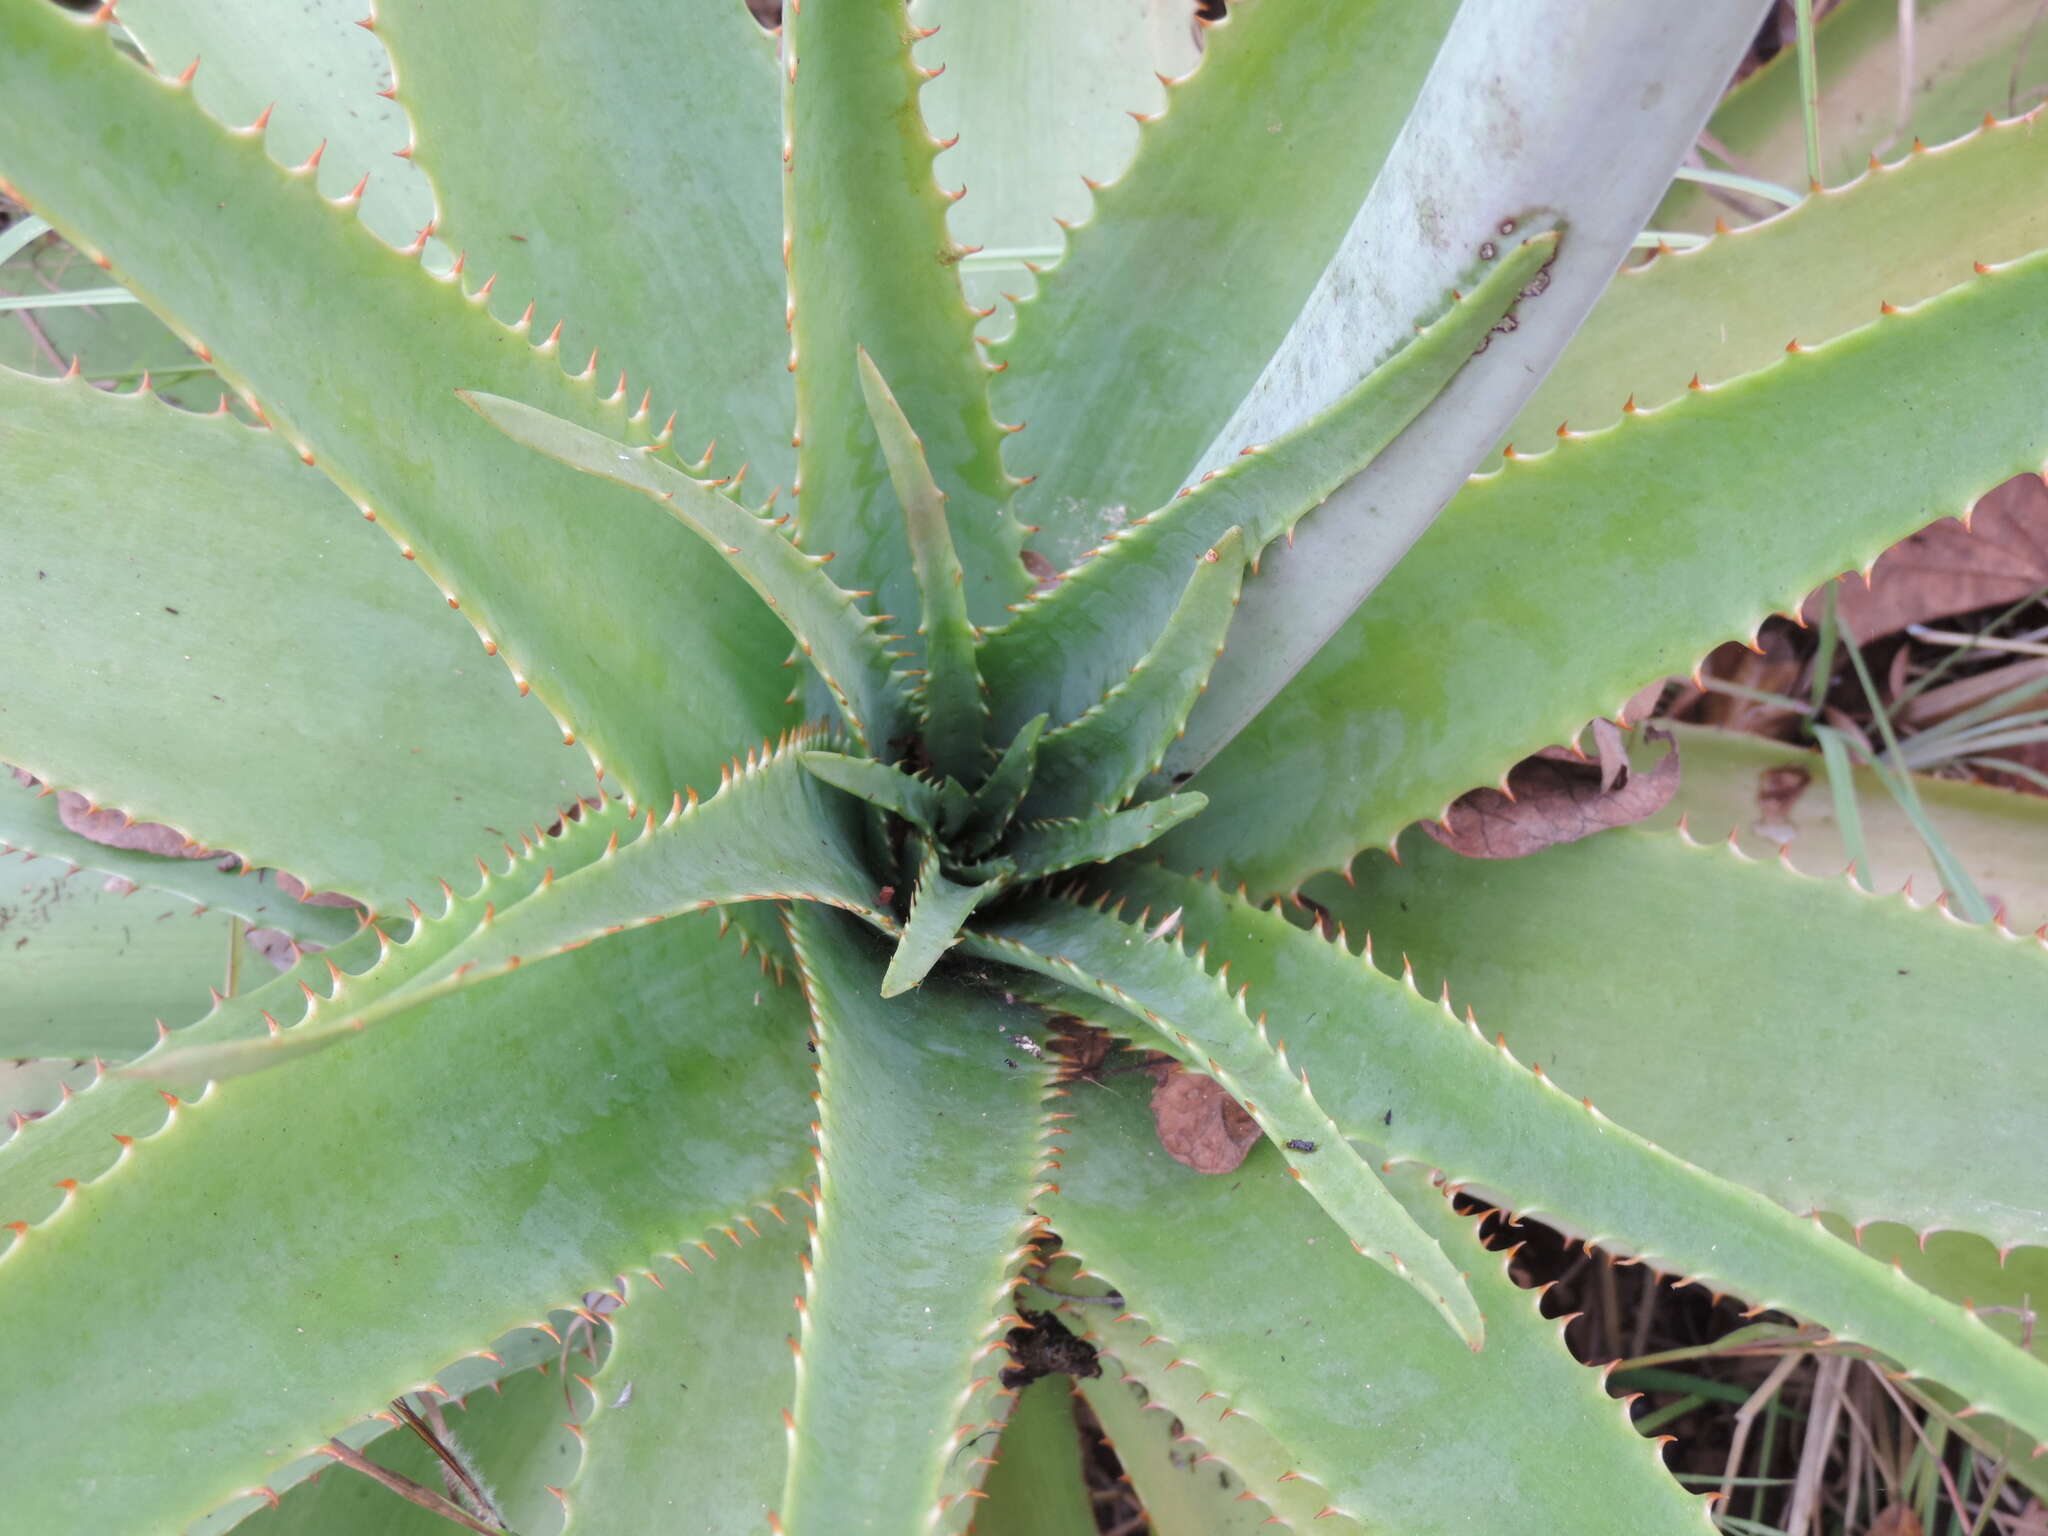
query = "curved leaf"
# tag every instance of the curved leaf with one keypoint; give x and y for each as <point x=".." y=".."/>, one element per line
<point x="1808" y="1012"/>
<point x="1426" y="1088"/>
<point x="522" y="545"/>
<point x="583" y="1105"/>
<point x="872" y="266"/>
<point x="383" y="748"/>
<point x="1247" y="181"/>
<point x="930" y="1149"/>
<point x="687" y="1419"/>
<point x="1198" y="1018"/>
<point x="1306" y="1374"/>
<point x="836" y="638"/>
<point x="1716" y="496"/>
<point x="681" y="291"/>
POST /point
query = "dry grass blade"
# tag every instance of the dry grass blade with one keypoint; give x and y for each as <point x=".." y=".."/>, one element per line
<point x="1745" y="1416"/>
<point x="409" y="1490"/>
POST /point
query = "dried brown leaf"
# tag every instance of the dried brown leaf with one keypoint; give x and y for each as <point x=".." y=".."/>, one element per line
<point x="114" y="830"/>
<point x="1199" y="1124"/>
<point x="1896" y="1520"/>
<point x="1949" y="569"/>
<point x="1555" y="798"/>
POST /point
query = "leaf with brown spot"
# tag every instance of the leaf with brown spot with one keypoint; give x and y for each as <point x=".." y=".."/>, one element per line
<point x="1949" y="569"/>
<point x="1557" y="798"/>
<point x="1200" y="1125"/>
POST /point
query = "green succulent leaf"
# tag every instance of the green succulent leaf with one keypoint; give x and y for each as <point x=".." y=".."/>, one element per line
<point x="954" y="715"/>
<point x="1245" y="181"/>
<point x="1729" y="307"/>
<point x="1538" y="156"/>
<point x="1257" y="1379"/>
<point x="1182" y="1495"/>
<point x="1715" y="496"/>
<point x="937" y="909"/>
<point x="522" y="545"/>
<point x="1197" y="1017"/>
<point x="930" y="1150"/>
<point x="1068" y="646"/>
<point x="30" y="825"/>
<point x="1036" y="1487"/>
<point x="770" y="833"/>
<point x="871" y="265"/>
<point x="1768" y="957"/>
<point x="836" y="638"/>
<point x="925" y="805"/>
<point x="686" y="1414"/>
<point x="1424" y="1087"/>
<point x="389" y="745"/>
<point x="522" y="177"/>
<point x="1095" y="761"/>
<point x="1002" y="792"/>
<point x="584" y="1097"/>
<point x="1046" y="847"/>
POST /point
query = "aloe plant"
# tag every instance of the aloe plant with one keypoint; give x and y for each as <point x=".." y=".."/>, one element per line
<point x="719" y="938"/>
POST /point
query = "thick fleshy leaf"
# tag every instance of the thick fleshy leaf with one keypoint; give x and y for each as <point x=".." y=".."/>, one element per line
<point x="1181" y="1497"/>
<point x="950" y="699"/>
<point x="686" y="1428"/>
<point x="1917" y="224"/>
<point x="1305" y="1373"/>
<point x="1489" y="156"/>
<point x="1198" y="1018"/>
<point x="1248" y="178"/>
<point x="1832" y="1010"/>
<point x="872" y="266"/>
<point x="86" y="970"/>
<point x="828" y="626"/>
<point x="589" y="596"/>
<point x="1036" y="1486"/>
<point x="324" y="78"/>
<point x="1427" y="1088"/>
<point x="1968" y="57"/>
<point x="1095" y="761"/>
<point x="1047" y="847"/>
<point x="30" y="825"/>
<point x="930" y="1150"/>
<point x="1003" y="790"/>
<point x="771" y="832"/>
<point x="1043" y="101"/>
<point x="1775" y="799"/>
<point x="264" y="1305"/>
<point x="1719" y="496"/>
<point x="937" y="909"/>
<point x="918" y="801"/>
<point x="191" y="599"/>
<point x="514" y="1438"/>
<point x="681" y="291"/>
<point x="1068" y="646"/>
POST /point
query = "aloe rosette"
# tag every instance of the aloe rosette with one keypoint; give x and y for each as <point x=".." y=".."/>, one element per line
<point x="964" y="689"/>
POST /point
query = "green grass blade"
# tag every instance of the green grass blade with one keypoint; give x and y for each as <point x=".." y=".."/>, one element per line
<point x="871" y="265"/>
<point x="838" y="639"/>
<point x="930" y="1144"/>
<point x="954" y="715"/>
<point x="1094" y="762"/>
<point x="1834" y="754"/>
<point x="1196" y="1016"/>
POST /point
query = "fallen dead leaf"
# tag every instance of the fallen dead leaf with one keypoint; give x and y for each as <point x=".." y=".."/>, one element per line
<point x="1199" y="1125"/>
<point x="1949" y="569"/>
<point x="1557" y="798"/>
<point x="1896" y="1520"/>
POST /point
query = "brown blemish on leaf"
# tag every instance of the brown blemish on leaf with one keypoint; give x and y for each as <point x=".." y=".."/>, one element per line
<point x="1199" y="1125"/>
<point x="1557" y="799"/>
